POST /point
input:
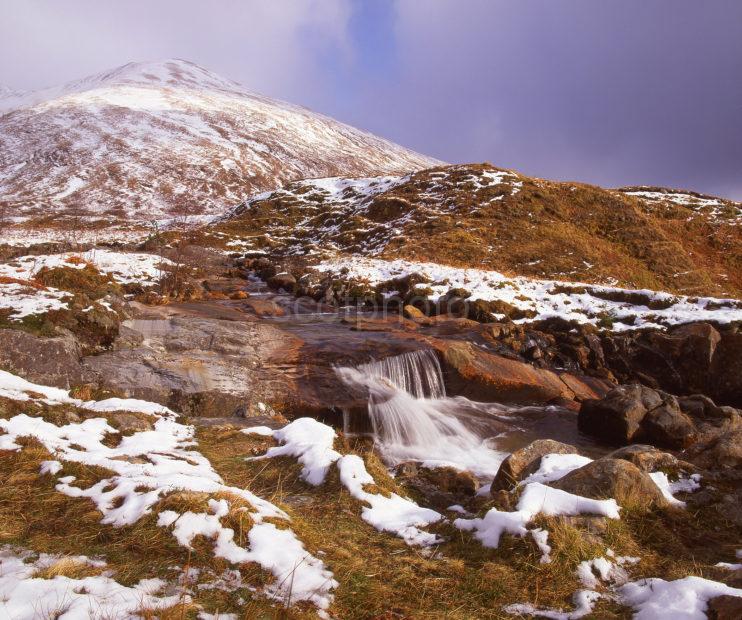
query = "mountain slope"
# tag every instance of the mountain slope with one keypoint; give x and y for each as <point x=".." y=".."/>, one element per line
<point x="481" y="216"/>
<point x="155" y="139"/>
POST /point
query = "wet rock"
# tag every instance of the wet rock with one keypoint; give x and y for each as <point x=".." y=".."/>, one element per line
<point x="49" y="361"/>
<point x="525" y="461"/>
<point x="440" y="487"/>
<point x="263" y="267"/>
<point x="224" y="285"/>
<point x="480" y="375"/>
<point x="647" y="458"/>
<point x="198" y="366"/>
<point x="495" y="331"/>
<point x="447" y="325"/>
<point x="613" y="478"/>
<point x="411" y="312"/>
<point x="617" y="417"/>
<point x="724" y="607"/>
<point x="263" y="307"/>
<point x="408" y="469"/>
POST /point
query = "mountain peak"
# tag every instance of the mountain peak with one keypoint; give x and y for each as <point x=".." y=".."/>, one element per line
<point x="165" y="73"/>
<point x="150" y="139"/>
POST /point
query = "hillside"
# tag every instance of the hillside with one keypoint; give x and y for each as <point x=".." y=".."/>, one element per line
<point x="485" y="217"/>
<point x="152" y="140"/>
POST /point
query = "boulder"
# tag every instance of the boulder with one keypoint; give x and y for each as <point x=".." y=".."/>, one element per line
<point x="695" y="358"/>
<point x="700" y="407"/>
<point x="617" y="417"/>
<point x="647" y="458"/>
<point x="616" y="478"/>
<point x="284" y="281"/>
<point x="668" y="426"/>
<point x="49" y="361"/>
<point x="525" y="461"/>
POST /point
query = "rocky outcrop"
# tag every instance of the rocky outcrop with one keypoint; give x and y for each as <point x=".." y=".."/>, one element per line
<point x="711" y="436"/>
<point x="631" y="413"/>
<point x="616" y="478"/>
<point x="282" y="281"/>
<point x="525" y="461"/>
<point x="692" y="358"/>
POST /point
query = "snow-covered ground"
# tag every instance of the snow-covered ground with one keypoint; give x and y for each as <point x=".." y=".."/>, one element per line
<point x="336" y="212"/>
<point x="125" y="267"/>
<point x="26" y="595"/>
<point x="149" y="465"/>
<point x="714" y="209"/>
<point x="584" y="303"/>
<point x="24" y="297"/>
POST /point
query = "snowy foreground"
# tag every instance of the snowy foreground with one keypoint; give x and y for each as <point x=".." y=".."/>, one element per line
<point x="149" y="465"/>
<point x="584" y="303"/>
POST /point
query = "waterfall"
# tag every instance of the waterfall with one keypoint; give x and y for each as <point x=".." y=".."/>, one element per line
<point x="413" y="419"/>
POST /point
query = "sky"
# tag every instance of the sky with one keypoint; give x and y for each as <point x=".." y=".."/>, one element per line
<point x="613" y="92"/>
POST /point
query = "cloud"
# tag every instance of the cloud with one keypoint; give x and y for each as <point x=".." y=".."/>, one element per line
<point x="611" y="92"/>
<point x="279" y="48"/>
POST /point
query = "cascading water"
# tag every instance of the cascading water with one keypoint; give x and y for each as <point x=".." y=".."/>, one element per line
<point x="413" y="419"/>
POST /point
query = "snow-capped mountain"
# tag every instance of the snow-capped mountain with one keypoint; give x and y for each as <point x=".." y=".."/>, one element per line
<point x="155" y="139"/>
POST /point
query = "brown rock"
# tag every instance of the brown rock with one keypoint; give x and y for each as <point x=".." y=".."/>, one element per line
<point x="725" y="607"/>
<point x="618" y="416"/>
<point x="726" y="370"/>
<point x="264" y="307"/>
<point x="667" y="426"/>
<point x="525" y="461"/>
<point x="410" y="312"/>
<point x="616" y="478"/>
<point x="481" y="375"/>
<point x="284" y="281"/>
<point x="450" y="480"/>
<point x="723" y="451"/>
